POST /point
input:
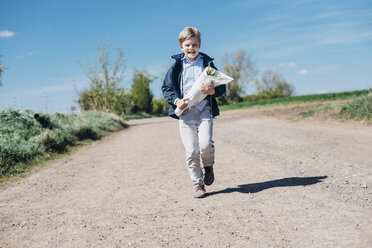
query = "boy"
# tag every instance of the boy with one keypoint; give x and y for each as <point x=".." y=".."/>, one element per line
<point x="195" y="123"/>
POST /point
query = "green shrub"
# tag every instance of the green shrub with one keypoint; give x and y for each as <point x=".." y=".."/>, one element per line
<point x="141" y="92"/>
<point x="250" y="98"/>
<point x="160" y="106"/>
<point x="23" y="138"/>
<point x="20" y="138"/>
<point x="360" y="108"/>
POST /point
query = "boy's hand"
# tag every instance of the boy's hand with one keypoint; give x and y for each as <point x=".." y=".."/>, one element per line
<point x="207" y="90"/>
<point x="181" y="103"/>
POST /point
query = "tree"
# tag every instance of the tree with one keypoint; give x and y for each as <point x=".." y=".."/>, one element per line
<point x="160" y="106"/>
<point x="123" y="101"/>
<point x="240" y="67"/>
<point x="85" y="100"/>
<point x="104" y="78"/>
<point x="141" y="93"/>
<point x="273" y="85"/>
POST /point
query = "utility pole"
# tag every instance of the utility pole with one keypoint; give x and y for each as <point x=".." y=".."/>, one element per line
<point x="20" y="104"/>
<point x="45" y="103"/>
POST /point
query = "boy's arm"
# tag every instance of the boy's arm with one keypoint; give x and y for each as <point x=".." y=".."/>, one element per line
<point x="169" y="93"/>
<point x="220" y="90"/>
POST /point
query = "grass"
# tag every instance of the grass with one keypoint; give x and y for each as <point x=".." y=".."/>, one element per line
<point x="142" y="116"/>
<point x="297" y="100"/>
<point x="25" y="140"/>
<point x="360" y="108"/>
<point x="22" y="169"/>
<point x="312" y="113"/>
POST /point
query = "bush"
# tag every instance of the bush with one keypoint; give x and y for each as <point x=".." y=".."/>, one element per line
<point x="20" y="138"/>
<point x="272" y="85"/>
<point x="160" y="106"/>
<point x="249" y="98"/>
<point x="23" y="138"/>
<point x="141" y="93"/>
<point x="360" y="108"/>
<point x="123" y="102"/>
<point x="104" y="77"/>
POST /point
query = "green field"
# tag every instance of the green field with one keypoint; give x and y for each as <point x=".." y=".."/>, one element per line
<point x="359" y="107"/>
<point x="297" y="100"/>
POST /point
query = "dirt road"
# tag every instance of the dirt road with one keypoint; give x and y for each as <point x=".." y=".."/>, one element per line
<point x="279" y="183"/>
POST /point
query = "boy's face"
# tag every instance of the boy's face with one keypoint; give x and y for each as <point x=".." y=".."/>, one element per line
<point x="191" y="48"/>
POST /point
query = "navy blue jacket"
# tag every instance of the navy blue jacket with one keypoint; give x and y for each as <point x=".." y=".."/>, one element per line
<point x="172" y="85"/>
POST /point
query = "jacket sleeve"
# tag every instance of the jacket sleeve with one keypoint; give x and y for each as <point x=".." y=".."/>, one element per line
<point x="220" y="90"/>
<point x="169" y="93"/>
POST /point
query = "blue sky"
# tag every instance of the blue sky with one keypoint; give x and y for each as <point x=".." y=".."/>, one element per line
<point x="318" y="46"/>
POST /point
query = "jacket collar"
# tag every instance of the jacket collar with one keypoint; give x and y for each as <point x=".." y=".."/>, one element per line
<point x="203" y="55"/>
<point x="185" y="60"/>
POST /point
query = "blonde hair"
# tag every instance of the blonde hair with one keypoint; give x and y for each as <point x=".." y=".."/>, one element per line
<point x="187" y="33"/>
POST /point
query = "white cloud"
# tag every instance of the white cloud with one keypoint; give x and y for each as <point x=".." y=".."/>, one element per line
<point x="289" y="65"/>
<point x="284" y="51"/>
<point x="6" y="34"/>
<point x="301" y="72"/>
<point x="346" y="38"/>
<point x="322" y="91"/>
<point x="328" y="68"/>
<point x="23" y="56"/>
<point x="292" y="64"/>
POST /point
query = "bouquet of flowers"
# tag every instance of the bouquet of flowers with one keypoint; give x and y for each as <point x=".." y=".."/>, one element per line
<point x="209" y="74"/>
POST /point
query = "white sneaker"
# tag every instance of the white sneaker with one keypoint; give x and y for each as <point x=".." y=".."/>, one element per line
<point x="199" y="191"/>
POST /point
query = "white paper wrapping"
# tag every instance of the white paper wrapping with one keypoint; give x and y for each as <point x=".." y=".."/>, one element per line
<point x="194" y="95"/>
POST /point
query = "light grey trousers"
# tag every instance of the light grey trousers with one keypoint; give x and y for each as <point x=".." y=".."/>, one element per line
<point x="196" y="130"/>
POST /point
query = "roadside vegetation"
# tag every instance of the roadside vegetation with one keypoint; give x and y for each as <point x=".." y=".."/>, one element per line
<point x="252" y="102"/>
<point x="27" y="136"/>
<point x="105" y="94"/>
<point x="360" y="108"/>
